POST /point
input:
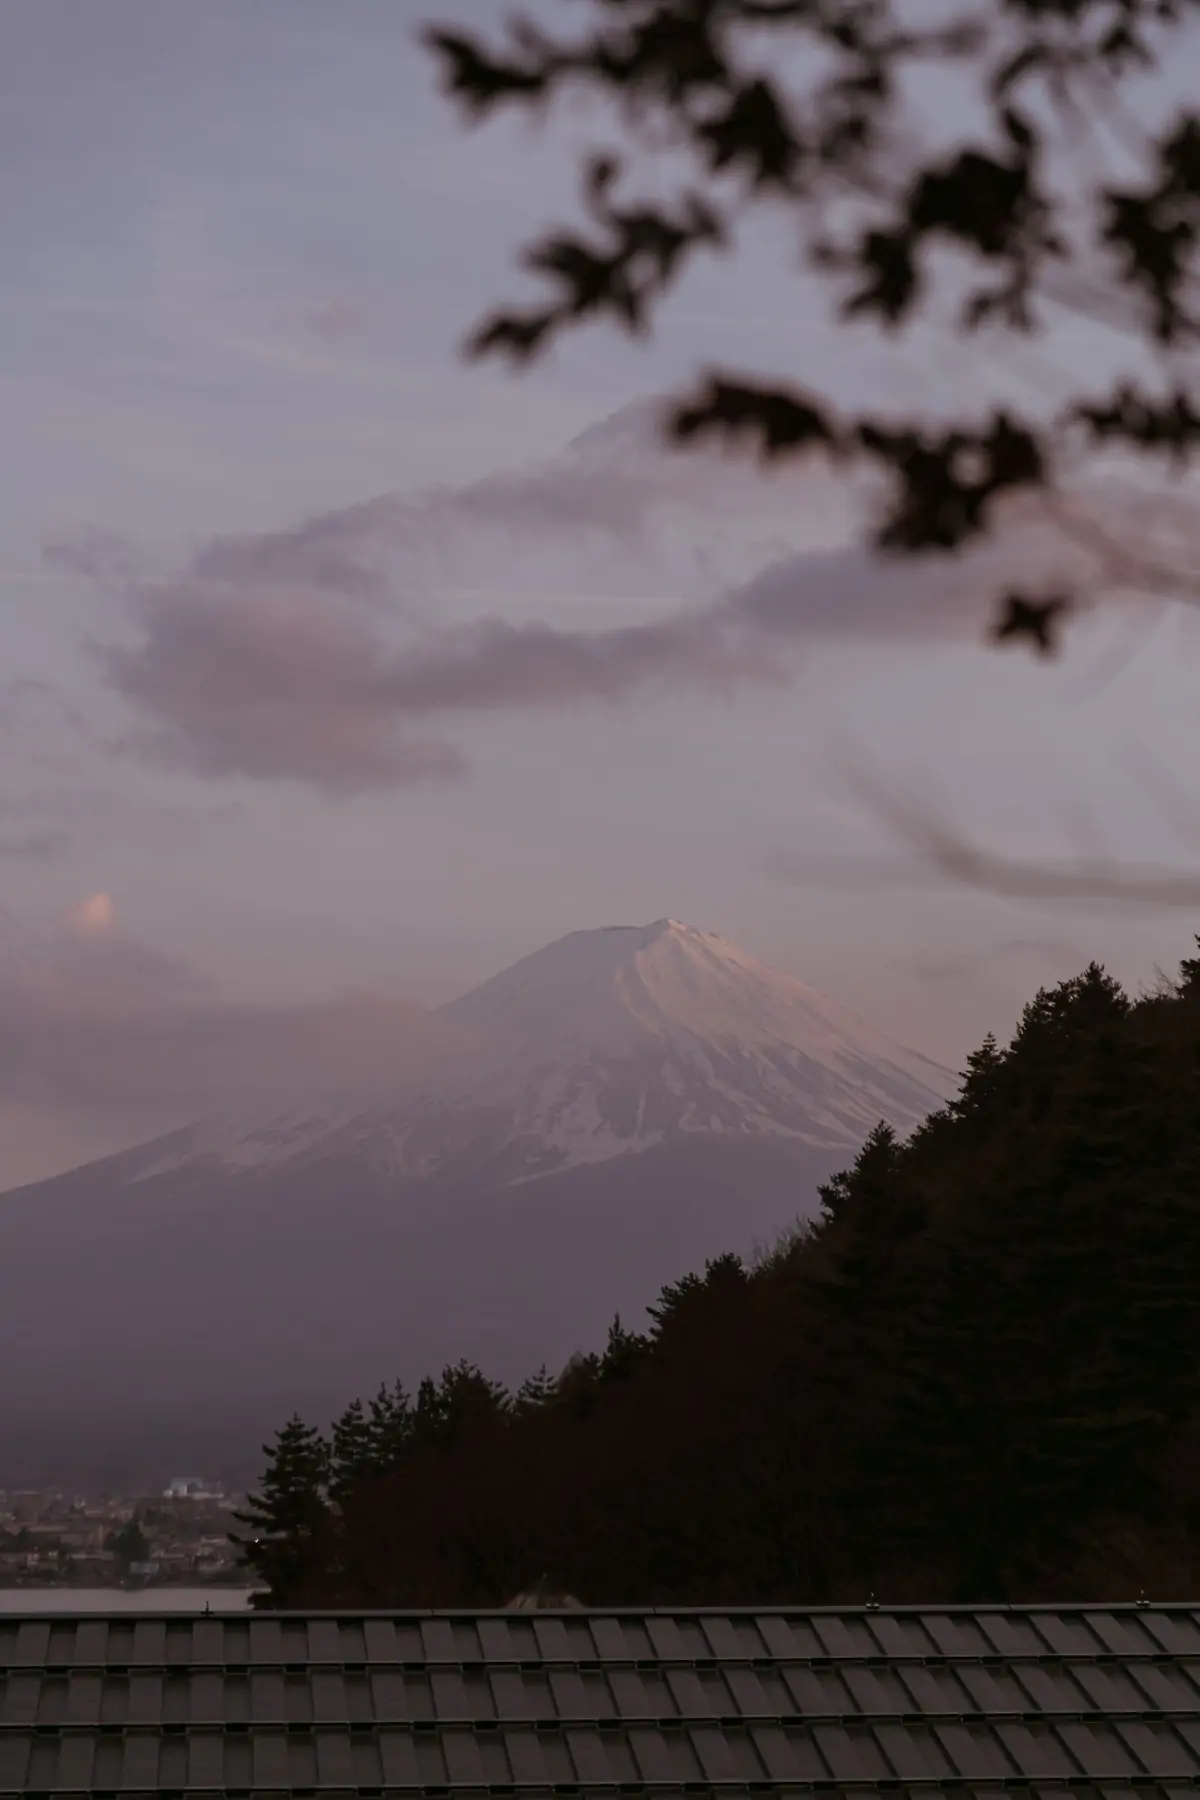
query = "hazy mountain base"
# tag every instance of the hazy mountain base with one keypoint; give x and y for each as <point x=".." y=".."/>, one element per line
<point x="171" y="1323"/>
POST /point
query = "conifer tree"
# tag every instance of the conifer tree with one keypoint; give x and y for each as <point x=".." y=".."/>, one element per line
<point x="352" y="1452"/>
<point x="534" y="1394"/>
<point x="390" y="1430"/>
<point x="681" y="1302"/>
<point x="978" y="1085"/>
<point x="288" y="1513"/>
<point x="129" y="1545"/>
<point x="462" y="1398"/>
<point x="577" y="1390"/>
<point x="624" y="1353"/>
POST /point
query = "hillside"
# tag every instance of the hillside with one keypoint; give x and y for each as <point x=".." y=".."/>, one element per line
<point x="977" y="1379"/>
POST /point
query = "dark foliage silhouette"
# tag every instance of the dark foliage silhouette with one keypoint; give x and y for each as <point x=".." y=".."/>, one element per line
<point x="977" y="1378"/>
<point x="1077" y="193"/>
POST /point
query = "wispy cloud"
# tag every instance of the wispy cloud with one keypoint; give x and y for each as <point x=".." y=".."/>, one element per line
<point x="307" y="656"/>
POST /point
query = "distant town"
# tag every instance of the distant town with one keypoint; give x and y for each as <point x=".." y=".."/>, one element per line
<point x="176" y="1538"/>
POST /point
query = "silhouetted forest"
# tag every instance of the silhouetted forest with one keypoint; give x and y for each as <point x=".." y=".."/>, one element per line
<point x="975" y="1378"/>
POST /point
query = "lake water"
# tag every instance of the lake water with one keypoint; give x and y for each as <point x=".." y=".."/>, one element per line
<point x="109" y="1600"/>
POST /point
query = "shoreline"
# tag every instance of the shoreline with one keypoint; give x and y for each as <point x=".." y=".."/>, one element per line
<point x="47" y="1599"/>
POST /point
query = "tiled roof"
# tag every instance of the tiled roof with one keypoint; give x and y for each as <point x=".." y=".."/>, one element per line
<point x="1097" y="1701"/>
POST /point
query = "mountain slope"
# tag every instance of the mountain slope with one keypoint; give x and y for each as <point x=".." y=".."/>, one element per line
<point x="633" y="1101"/>
<point x="603" y="1044"/>
<point x="718" y="1041"/>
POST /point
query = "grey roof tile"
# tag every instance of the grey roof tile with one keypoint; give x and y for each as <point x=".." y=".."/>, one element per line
<point x="818" y="1693"/>
<point x="464" y="1761"/>
<point x="977" y="1752"/>
<point x="206" y="1759"/>
<point x="21" y="1699"/>
<point x="1160" y="1750"/>
<point x="14" y="1760"/>
<point x="1085" y="1699"/>
<point x="1122" y="1633"/>
<point x="714" y="1753"/>
<point x="1177" y="1631"/>
<point x="668" y="1641"/>
<point x="1165" y="1685"/>
<point x="572" y="1695"/>
<point x="1010" y="1634"/>
<point x="586" y="1750"/>
<point x="749" y="1695"/>
<point x="269" y="1754"/>
<point x="661" y="1757"/>
<point x="787" y="1755"/>
<point x="852" y="1753"/>
<point x="901" y="1635"/>
<point x="32" y="1643"/>
<point x="838" y="1638"/>
<point x="633" y="1697"/>
<point x="913" y="1754"/>
<point x="875" y="1692"/>
<point x="955" y="1635"/>
<point x="1066" y="1634"/>
<point x="449" y="1694"/>
<point x="1110" y="1689"/>
<point x="398" y="1756"/>
<point x="722" y="1636"/>
<point x="140" y="1768"/>
<point x="76" y="1759"/>
<point x="379" y="1637"/>
<point x="1098" y="1751"/>
<point x="495" y="1640"/>
<point x="1050" y="1687"/>
<point x="1037" y="1748"/>
<point x="553" y="1638"/>
<point x="934" y="1690"/>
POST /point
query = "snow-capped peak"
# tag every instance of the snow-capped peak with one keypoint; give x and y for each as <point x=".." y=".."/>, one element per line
<point x="605" y="1043"/>
<point x="617" y="988"/>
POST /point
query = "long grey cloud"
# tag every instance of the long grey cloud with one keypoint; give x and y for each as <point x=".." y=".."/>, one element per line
<point x="260" y="660"/>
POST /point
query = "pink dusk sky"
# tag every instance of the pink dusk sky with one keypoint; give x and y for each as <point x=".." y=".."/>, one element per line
<point x="339" y="673"/>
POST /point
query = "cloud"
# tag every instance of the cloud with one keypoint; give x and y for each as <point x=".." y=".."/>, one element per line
<point x="296" y="656"/>
<point x="92" y="918"/>
<point x="105" y="1028"/>
<point x="277" y="689"/>
<point x="267" y="688"/>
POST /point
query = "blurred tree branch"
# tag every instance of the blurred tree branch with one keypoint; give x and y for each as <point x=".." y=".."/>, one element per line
<point x="1064" y="198"/>
<point x="941" y="848"/>
<point x="1075" y="196"/>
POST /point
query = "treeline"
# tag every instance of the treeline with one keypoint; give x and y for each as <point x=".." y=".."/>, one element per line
<point x="975" y="1378"/>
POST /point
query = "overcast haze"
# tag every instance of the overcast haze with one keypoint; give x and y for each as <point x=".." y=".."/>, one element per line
<point x="339" y="674"/>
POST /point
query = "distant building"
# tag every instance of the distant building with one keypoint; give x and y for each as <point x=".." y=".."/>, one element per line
<point x="192" y="1487"/>
<point x="27" y="1505"/>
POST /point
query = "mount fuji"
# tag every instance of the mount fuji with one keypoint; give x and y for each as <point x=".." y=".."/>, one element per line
<point x="617" y="1107"/>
